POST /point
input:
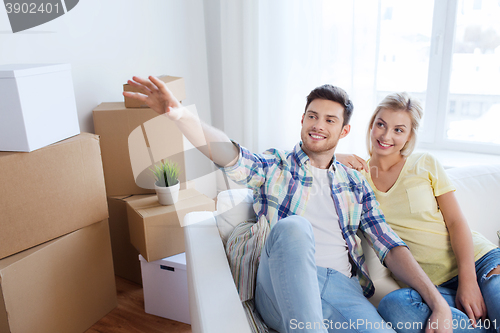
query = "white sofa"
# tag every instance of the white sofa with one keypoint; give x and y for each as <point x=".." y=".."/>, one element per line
<point x="214" y="303"/>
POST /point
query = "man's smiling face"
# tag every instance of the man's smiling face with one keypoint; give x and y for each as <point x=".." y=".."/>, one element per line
<point x="322" y="126"/>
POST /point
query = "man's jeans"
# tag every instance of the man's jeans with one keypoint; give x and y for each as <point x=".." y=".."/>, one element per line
<point x="294" y="295"/>
<point x="406" y="307"/>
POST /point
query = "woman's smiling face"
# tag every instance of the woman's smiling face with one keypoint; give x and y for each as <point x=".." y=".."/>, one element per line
<point x="390" y="131"/>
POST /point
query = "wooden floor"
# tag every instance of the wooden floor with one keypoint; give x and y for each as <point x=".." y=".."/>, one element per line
<point x="129" y="315"/>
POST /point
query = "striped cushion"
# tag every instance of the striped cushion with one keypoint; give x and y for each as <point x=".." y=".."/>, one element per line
<point x="243" y="251"/>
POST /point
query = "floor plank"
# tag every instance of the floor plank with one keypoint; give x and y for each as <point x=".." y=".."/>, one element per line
<point x="129" y="315"/>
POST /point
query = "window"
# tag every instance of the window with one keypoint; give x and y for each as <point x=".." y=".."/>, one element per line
<point x="404" y="45"/>
<point x="463" y="87"/>
<point x="445" y="52"/>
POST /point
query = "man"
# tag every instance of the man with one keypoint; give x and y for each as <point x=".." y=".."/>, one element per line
<point x="314" y="207"/>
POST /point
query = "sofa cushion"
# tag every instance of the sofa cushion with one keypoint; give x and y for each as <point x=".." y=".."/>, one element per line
<point x="477" y="193"/>
<point x="233" y="207"/>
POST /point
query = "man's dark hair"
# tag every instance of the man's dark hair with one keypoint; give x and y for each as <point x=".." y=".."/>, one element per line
<point x="334" y="94"/>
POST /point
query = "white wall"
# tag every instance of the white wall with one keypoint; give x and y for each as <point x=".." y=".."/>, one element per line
<point x="107" y="42"/>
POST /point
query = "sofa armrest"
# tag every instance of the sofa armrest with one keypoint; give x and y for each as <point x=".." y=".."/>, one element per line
<point x="214" y="304"/>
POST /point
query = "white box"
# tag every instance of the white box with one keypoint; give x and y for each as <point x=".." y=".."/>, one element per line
<point x="37" y="106"/>
<point x="165" y="287"/>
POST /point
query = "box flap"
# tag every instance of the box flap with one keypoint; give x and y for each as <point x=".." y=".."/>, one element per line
<point x="19" y="70"/>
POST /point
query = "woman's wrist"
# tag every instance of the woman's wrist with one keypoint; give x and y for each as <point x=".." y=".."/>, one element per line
<point x="467" y="276"/>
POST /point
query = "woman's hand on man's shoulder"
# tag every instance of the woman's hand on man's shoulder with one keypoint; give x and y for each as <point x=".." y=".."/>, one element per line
<point x="352" y="161"/>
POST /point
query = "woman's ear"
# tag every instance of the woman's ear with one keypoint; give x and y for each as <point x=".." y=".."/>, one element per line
<point x="406" y="144"/>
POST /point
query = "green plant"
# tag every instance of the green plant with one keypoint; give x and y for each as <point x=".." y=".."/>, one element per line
<point x="166" y="173"/>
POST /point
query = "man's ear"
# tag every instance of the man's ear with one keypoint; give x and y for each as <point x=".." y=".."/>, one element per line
<point x="302" y="120"/>
<point x="345" y="130"/>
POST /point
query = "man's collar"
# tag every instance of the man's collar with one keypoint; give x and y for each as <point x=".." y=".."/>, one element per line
<point x="303" y="159"/>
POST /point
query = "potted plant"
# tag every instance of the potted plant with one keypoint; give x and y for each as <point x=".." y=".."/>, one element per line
<point x="167" y="182"/>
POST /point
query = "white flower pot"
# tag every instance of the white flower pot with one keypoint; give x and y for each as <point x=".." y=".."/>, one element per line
<point x="167" y="195"/>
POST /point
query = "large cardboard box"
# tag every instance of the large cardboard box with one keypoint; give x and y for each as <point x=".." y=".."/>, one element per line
<point x="166" y="288"/>
<point x="37" y="106"/>
<point x="175" y="84"/>
<point x="64" y="285"/>
<point x="153" y="138"/>
<point x="50" y="192"/>
<point x="156" y="230"/>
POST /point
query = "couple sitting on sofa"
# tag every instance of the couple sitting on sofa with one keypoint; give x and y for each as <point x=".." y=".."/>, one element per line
<point x="312" y="274"/>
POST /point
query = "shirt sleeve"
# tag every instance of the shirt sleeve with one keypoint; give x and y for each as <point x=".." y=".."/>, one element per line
<point x="250" y="169"/>
<point x="440" y="181"/>
<point x="377" y="232"/>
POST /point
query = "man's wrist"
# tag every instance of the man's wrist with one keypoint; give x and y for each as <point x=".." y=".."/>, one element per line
<point x="176" y="113"/>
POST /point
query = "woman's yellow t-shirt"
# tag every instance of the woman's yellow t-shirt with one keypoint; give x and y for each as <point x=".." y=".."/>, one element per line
<point x="410" y="207"/>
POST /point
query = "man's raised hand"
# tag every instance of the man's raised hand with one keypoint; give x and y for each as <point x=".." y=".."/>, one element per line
<point x="155" y="94"/>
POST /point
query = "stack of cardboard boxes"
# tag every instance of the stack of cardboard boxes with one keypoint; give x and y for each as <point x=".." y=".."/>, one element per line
<point x="56" y="269"/>
<point x="133" y="137"/>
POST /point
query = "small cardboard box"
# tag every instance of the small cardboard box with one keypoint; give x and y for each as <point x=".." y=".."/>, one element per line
<point x="141" y="133"/>
<point x="50" y="192"/>
<point x="175" y="84"/>
<point x="165" y="287"/>
<point x="156" y="230"/>
<point x="37" y="106"/>
<point x="64" y="285"/>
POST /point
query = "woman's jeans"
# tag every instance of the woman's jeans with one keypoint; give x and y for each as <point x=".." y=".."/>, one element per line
<point x="294" y="295"/>
<point x="406" y="308"/>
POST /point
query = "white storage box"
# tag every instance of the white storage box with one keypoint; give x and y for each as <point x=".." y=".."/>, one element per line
<point x="37" y="106"/>
<point x="165" y="288"/>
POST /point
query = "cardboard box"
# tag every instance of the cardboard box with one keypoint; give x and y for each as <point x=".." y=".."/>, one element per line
<point x="155" y="230"/>
<point x="50" y="192"/>
<point x="37" y="106"/>
<point x="175" y="84"/>
<point x="125" y="254"/>
<point x="142" y="134"/>
<point x="64" y="285"/>
<point x="165" y="287"/>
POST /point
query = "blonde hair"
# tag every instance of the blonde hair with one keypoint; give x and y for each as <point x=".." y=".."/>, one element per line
<point x="401" y="101"/>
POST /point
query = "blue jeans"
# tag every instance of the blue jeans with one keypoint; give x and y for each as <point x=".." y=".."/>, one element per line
<point x="292" y="294"/>
<point x="406" y="308"/>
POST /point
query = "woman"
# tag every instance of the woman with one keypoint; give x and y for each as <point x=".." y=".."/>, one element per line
<point x="419" y="203"/>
